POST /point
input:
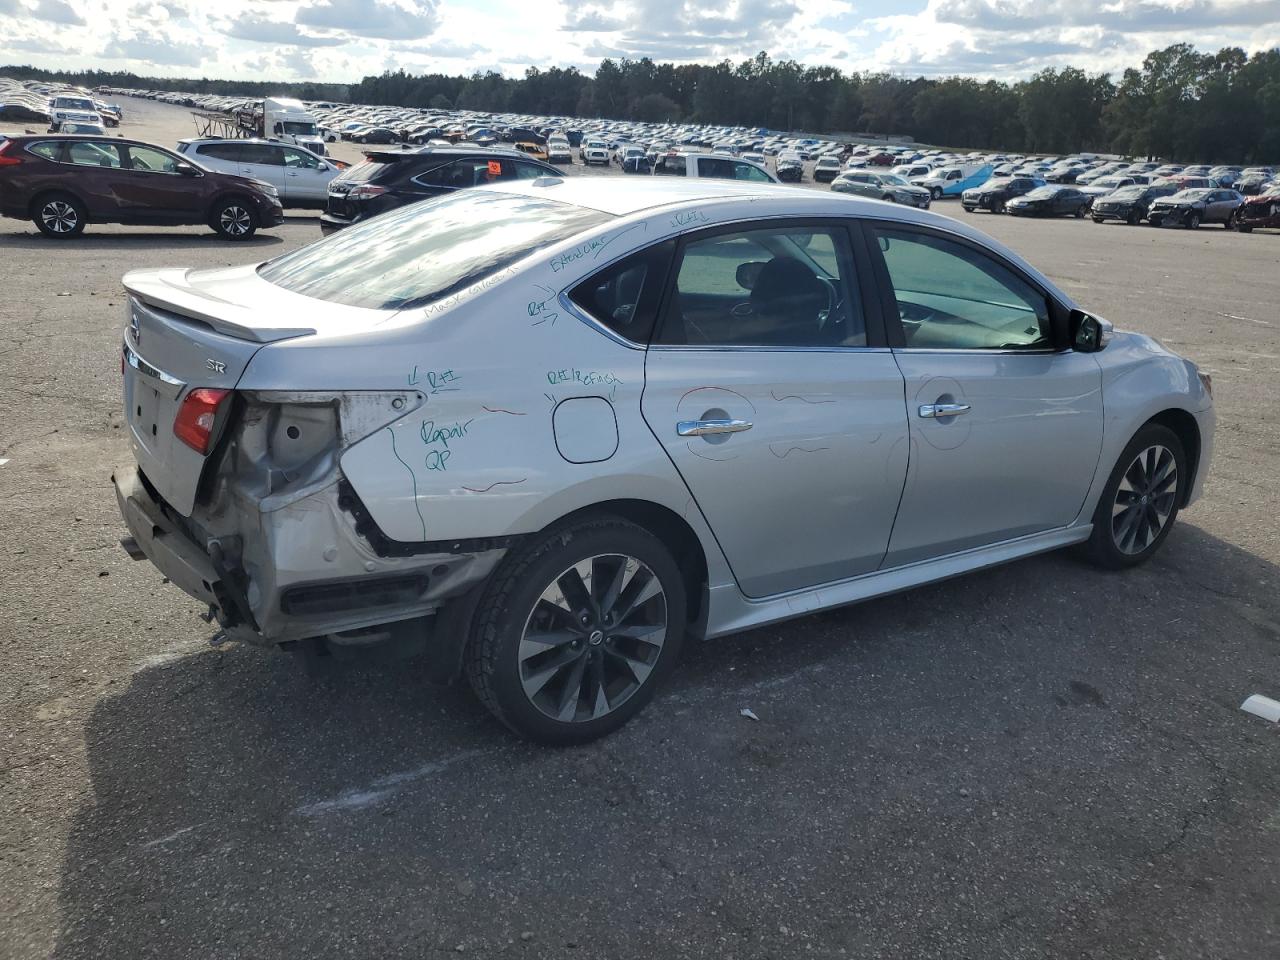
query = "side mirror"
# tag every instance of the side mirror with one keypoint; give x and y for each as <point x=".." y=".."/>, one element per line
<point x="748" y="273"/>
<point x="186" y="169"/>
<point x="1089" y="334"/>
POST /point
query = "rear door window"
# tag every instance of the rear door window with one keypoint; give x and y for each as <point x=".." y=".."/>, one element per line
<point x="262" y="153"/>
<point x="470" y="172"/>
<point x="530" y="171"/>
<point x="776" y="286"/>
<point x="91" y="153"/>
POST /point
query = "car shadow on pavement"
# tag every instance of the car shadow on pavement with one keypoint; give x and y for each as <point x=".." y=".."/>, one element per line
<point x="990" y="737"/>
<point x="90" y="240"/>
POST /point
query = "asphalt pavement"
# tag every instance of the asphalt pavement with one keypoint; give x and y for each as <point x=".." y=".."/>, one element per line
<point x="1041" y="760"/>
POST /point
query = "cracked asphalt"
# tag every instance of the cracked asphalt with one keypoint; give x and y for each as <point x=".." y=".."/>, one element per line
<point x="1041" y="760"/>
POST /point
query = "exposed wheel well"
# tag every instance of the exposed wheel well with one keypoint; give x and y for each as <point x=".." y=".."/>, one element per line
<point x="675" y="533"/>
<point x="1188" y="431"/>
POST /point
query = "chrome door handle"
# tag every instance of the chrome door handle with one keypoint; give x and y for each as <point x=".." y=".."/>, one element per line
<point x="931" y="411"/>
<point x="702" y="428"/>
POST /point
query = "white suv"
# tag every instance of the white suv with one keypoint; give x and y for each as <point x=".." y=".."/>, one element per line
<point x="299" y="175"/>
<point x="593" y="151"/>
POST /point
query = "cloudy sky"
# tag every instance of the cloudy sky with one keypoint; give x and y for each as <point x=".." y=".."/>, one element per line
<point x="340" y="40"/>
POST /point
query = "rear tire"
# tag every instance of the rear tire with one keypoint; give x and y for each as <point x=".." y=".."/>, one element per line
<point x="576" y="630"/>
<point x="234" y="219"/>
<point x="59" y="215"/>
<point x="1140" y="502"/>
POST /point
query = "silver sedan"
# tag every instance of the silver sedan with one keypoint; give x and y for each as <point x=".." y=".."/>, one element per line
<point x="549" y="429"/>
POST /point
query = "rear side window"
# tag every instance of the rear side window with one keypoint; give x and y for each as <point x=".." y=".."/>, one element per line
<point x="426" y="251"/>
<point x="88" y="153"/>
<point x="624" y="297"/>
<point x="49" y="149"/>
<point x="222" y="151"/>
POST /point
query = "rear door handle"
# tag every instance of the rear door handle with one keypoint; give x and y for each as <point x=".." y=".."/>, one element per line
<point x="703" y="428"/>
<point x="932" y="411"/>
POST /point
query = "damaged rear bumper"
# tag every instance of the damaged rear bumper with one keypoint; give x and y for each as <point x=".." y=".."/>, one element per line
<point x="298" y="571"/>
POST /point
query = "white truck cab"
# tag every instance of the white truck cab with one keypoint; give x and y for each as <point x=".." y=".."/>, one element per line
<point x="288" y="120"/>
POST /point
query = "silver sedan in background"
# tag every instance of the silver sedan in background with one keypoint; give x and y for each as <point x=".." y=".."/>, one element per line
<point x="549" y="429"/>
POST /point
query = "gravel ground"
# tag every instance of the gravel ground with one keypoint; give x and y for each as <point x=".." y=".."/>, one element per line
<point x="1040" y="760"/>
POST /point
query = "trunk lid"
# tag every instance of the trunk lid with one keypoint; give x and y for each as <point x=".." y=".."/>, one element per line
<point x="166" y="355"/>
<point x="187" y="329"/>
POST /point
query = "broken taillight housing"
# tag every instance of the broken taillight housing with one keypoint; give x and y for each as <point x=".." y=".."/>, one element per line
<point x="197" y="417"/>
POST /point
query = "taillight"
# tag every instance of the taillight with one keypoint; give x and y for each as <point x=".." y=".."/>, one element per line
<point x="366" y="191"/>
<point x="5" y="159"/>
<point x="197" y="416"/>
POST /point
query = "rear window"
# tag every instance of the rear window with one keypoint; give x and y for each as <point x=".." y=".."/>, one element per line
<point x="426" y="251"/>
<point x="365" y="170"/>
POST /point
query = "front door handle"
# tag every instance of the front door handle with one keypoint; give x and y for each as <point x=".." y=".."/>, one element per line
<point x="932" y="411"/>
<point x="703" y="428"/>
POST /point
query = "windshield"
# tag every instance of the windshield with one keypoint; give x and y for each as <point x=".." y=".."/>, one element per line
<point x="1128" y="193"/>
<point x="75" y="103"/>
<point x="1043" y="193"/>
<point x="299" y="128"/>
<point x="425" y="251"/>
<point x="1108" y="182"/>
<point x="893" y="180"/>
<point x="1190" y="195"/>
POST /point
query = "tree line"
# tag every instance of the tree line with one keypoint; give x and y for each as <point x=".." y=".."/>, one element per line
<point x="1183" y="104"/>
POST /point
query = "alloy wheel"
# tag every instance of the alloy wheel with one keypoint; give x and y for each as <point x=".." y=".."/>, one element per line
<point x="59" y="216"/>
<point x="593" y="637"/>
<point x="235" y="220"/>
<point x="1145" y="499"/>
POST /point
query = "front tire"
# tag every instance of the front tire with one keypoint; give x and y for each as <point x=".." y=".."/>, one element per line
<point x="234" y="219"/>
<point x="577" y="630"/>
<point x="1140" y="502"/>
<point x="936" y="193"/>
<point x="1193" y="221"/>
<point x="60" y="215"/>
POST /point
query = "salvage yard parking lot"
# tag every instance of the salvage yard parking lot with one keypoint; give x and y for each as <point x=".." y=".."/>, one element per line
<point x="1041" y="760"/>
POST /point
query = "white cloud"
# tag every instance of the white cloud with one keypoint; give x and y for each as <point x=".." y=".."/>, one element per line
<point x="343" y="40"/>
<point x="57" y="11"/>
<point x="388" y="19"/>
<point x="158" y="50"/>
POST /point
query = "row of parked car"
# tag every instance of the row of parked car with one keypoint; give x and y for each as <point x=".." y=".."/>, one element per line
<point x="59" y="107"/>
<point x="1159" y="194"/>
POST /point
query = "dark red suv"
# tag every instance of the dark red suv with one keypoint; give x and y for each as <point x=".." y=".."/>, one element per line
<point x="63" y="182"/>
